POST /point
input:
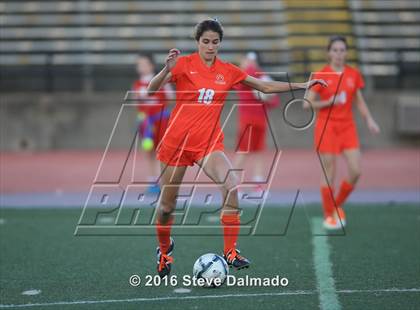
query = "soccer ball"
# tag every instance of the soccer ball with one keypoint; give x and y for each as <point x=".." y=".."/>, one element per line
<point x="212" y="268"/>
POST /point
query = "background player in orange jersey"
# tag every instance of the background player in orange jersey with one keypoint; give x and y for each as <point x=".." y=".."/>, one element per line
<point x="152" y="116"/>
<point x="194" y="135"/>
<point x="335" y="129"/>
<point x="252" y="120"/>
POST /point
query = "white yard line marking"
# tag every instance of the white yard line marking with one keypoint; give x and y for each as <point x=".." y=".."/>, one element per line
<point x="328" y="298"/>
<point x="182" y="290"/>
<point x="31" y="292"/>
<point x="289" y="293"/>
<point x="81" y="302"/>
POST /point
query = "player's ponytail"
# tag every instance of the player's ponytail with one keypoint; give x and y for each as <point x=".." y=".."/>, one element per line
<point x="206" y="25"/>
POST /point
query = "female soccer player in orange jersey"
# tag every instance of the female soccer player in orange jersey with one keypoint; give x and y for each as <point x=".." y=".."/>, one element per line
<point x="335" y="130"/>
<point x="194" y="135"/>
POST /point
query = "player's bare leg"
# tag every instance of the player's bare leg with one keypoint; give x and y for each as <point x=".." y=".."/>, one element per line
<point x="218" y="168"/>
<point x="352" y="157"/>
<point x="329" y="166"/>
<point x="170" y="181"/>
<point x="327" y="190"/>
<point x="258" y="172"/>
<point x="239" y="161"/>
<point x="255" y="157"/>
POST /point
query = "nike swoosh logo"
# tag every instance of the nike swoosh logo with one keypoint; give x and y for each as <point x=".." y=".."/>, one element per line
<point x="193" y="72"/>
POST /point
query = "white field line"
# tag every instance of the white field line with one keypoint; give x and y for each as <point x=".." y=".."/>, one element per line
<point x="198" y="297"/>
<point x="328" y="299"/>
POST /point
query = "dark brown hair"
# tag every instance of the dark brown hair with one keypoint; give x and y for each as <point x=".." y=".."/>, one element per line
<point x="335" y="39"/>
<point x="148" y="56"/>
<point x="206" y="25"/>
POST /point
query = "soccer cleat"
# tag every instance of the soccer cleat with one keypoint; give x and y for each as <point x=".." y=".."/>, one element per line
<point x="164" y="261"/>
<point x="340" y="216"/>
<point x="233" y="259"/>
<point x="331" y="223"/>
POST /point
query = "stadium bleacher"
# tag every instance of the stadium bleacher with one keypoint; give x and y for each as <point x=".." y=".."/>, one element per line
<point x="64" y="41"/>
<point x="92" y="45"/>
<point x="309" y="24"/>
<point x="388" y="39"/>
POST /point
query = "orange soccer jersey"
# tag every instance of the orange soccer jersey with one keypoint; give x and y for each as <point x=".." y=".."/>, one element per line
<point x="335" y="129"/>
<point x="194" y="126"/>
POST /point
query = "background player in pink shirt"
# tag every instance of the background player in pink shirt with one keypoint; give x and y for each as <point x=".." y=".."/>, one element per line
<point x="153" y="115"/>
<point x="253" y="120"/>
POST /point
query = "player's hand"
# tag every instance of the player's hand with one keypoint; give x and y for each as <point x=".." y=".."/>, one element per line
<point x="333" y="100"/>
<point x="373" y="126"/>
<point x="306" y="104"/>
<point x="311" y="83"/>
<point x="172" y="57"/>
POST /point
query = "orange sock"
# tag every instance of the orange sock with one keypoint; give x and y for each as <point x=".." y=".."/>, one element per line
<point x="345" y="189"/>
<point x="231" y="225"/>
<point x="327" y="195"/>
<point x="164" y="234"/>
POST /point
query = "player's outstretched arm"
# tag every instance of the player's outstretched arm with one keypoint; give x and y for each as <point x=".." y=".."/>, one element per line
<point x="270" y="87"/>
<point x="164" y="75"/>
<point x="364" y="111"/>
<point x="311" y="101"/>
